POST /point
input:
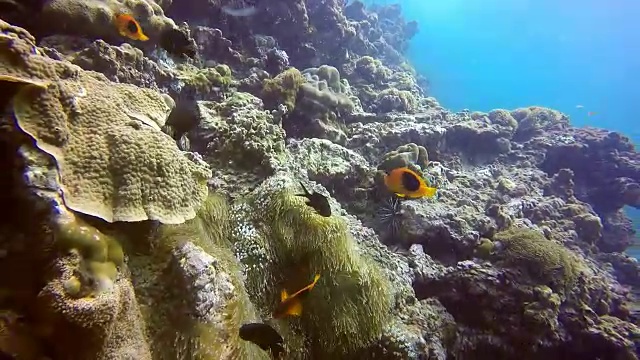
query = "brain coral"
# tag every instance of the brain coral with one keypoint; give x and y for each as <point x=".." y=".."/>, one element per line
<point x="113" y="160"/>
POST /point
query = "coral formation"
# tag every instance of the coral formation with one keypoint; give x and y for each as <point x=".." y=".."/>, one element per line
<point x="127" y="245"/>
<point x="238" y="130"/>
<point x="409" y="155"/>
<point x="204" y="80"/>
<point x="94" y="18"/>
<point x="283" y="89"/>
<point x="76" y="120"/>
<point x="322" y="101"/>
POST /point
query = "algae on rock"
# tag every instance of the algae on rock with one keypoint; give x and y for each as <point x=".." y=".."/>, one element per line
<point x="283" y="89"/>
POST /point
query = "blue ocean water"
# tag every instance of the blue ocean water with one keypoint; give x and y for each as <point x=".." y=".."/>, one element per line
<point x="577" y="56"/>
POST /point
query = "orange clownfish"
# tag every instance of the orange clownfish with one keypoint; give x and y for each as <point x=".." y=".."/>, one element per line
<point x="129" y="27"/>
<point x="404" y="182"/>
<point x="292" y="304"/>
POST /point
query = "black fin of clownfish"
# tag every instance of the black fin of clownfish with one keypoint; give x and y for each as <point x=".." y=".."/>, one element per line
<point x="306" y="194"/>
<point x="304" y="188"/>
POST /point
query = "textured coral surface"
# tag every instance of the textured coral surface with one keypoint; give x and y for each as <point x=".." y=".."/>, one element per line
<point x="154" y="195"/>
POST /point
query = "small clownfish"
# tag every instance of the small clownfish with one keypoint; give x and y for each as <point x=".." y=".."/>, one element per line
<point x="404" y="182"/>
<point x="128" y="26"/>
<point x="292" y="304"/>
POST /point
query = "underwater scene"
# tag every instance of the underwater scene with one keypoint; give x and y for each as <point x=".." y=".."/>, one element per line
<point x="319" y="179"/>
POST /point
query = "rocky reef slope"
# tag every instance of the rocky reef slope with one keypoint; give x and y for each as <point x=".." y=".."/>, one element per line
<point x="152" y="209"/>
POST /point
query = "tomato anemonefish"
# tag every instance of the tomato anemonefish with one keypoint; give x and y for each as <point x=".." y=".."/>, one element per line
<point x="292" y="304"/>
<point x="404" y="182"/>
<point x="129" y="27"/>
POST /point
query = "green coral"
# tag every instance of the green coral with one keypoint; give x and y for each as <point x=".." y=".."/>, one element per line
<point x="324" y="89"/>
<point x="545" y="261"/>
<point x="381" y="89"/>
<point x="331" y="75"/>
<point x="372" y="70"/>
<point x="283" y="89"/>
<point x="484" y="249"/>
<point x="350" y="304"/>
<point x="542" y="314"/>
<point x="223" y="70"/>
<point x="246" y="135"/>
<point x="207" y="79"/>
<point x="100" y="255"/>
<point x="85" y="294"/>
<point x="368" y="71"/>
<point x="588" y="227"/>
<point x="505" y="122"/>
<point x="392" y="99"/>
<point x="533" y="119"/>
<point x="321" y="100"/>
<point x="408" y="155"/>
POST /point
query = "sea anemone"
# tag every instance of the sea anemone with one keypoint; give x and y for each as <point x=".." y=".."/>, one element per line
<point x="390" y="216"/>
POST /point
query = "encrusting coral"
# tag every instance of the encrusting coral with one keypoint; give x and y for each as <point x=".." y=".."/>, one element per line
<point x="100" y="255"/>
<point x="321" y="102"/>
<point x="114" y="161"/>
<point x="238" y="132"/>
<point x="408" y="155"/>
<point x="106" y="326"/>
<point x="282" y="89"/>
<point x="205" y="80"/>
<point x="324" y="89"/>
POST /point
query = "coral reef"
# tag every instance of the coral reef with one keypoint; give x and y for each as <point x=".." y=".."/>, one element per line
<point x="76" y="120"/>
<point x="321" y="100"/>
<point x="155" y="206"/>
<point x="238" y="132"/>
